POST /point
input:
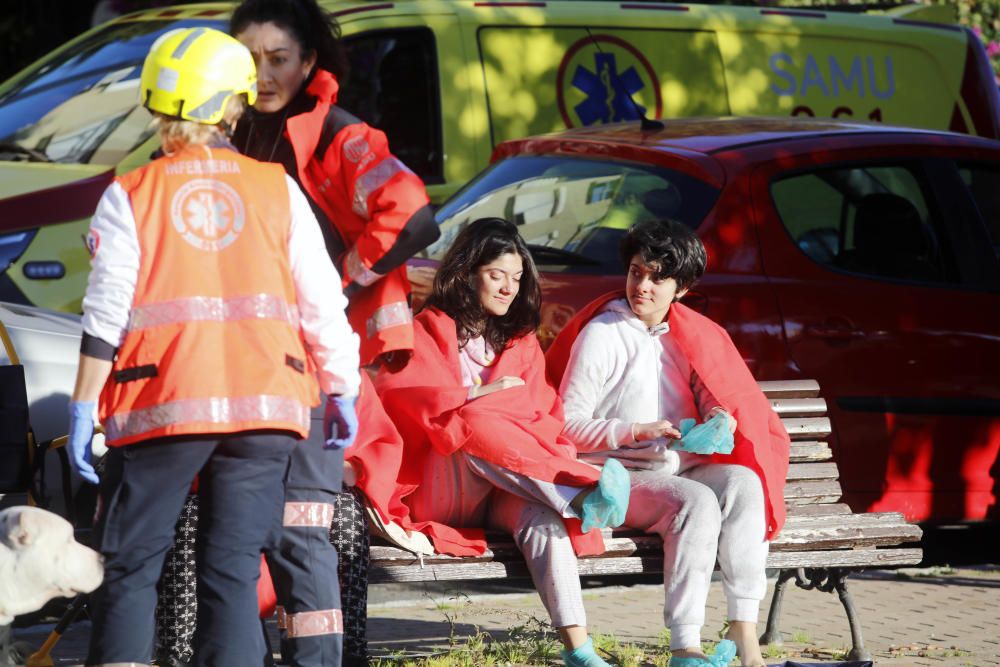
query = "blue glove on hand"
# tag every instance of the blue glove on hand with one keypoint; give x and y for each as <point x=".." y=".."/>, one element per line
<point x="340" y="421"/>
<point x="81" y="431"/>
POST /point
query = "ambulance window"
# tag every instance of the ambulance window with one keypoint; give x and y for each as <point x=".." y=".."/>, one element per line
<point x="983" y="182"/>
<point x="393" y="85"/>
<point x="873" y="220"/>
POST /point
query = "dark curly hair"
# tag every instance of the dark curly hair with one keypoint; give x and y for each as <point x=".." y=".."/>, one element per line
<point x="672" y="247"/>
<point x="456" y="293"/>
<point x="313" y="28"/>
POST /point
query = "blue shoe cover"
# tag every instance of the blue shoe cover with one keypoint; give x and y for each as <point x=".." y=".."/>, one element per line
<point x="606" y="505"/>
<point x="723" y="654"/>
<point x="583" y="656"/>
<point x="709" y="438"/>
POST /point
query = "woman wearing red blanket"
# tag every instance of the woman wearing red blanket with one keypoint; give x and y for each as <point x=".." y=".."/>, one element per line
<point x="482" y="428"/>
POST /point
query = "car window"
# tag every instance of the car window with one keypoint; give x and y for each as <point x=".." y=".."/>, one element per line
<point x="873" y="220"/>
<point x="983" y="182"/>
<point x="393" y="86"/>
<point x="81" y="104"/>
<point x="573" y="211"/>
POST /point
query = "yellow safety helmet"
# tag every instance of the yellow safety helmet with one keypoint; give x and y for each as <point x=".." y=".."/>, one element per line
<point x="191" y="73"/>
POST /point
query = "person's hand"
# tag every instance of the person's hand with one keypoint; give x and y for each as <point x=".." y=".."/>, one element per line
<point x="506" y="382"/>
<point x="340" y="421"/>
<point x="721" y="410"/>
<point x="81" y="431"/>
<point x="654" y="430"/>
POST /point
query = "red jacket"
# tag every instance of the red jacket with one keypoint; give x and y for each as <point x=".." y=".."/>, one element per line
<point x="346" y="168"/>
<point x="762" y="443"/>
<point x="518" y="428"/>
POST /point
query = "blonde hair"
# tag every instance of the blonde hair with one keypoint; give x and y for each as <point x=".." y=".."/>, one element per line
<point x="176" y="133"/>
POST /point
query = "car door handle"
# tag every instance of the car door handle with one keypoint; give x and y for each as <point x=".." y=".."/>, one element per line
<point x="833" y="329"/>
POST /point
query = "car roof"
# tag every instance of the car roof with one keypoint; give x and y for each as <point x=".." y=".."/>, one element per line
<point x="699" y="140"/>
<point x="713" y="135"/>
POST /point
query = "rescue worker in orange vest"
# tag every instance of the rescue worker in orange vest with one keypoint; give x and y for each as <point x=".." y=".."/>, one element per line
<point x="212" y="308"/>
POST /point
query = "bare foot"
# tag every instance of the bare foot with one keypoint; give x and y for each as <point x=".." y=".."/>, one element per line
<point x="744" y="635"/>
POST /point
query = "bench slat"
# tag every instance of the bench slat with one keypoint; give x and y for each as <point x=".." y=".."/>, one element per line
<point x="822" y="509"/>
<point x="800" y="533"/>
<point x="799" y="407"/>
<point x="807" y="428"/>
<point x="789" y="388"/>
<point x="810" y="450"/>
<point x="812" y="491"/>
<point x="803" y="471"/>
<point x="852" y="558"/>
<point x="461" y="570"/>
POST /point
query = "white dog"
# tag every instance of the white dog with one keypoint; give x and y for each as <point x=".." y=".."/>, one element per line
<point x="40" y="560"/>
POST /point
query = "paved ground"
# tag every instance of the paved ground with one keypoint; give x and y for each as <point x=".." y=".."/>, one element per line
<point x="934" y="616"/>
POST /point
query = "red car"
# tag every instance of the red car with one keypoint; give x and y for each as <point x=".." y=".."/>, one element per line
<point x="866" y="257"/>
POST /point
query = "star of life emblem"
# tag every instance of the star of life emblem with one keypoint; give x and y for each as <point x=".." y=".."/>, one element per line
<point x="208" y="214"/>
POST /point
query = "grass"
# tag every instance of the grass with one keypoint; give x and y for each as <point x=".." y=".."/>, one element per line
<point x="801" y="637"/>
<point x="533" y="642"/>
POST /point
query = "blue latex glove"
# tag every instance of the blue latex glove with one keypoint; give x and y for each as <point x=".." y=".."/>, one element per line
<point x="81" y="431"/>
<point x="340" y="421"/>
<point x="605" y="506"/>
<point x="711" y="437"/>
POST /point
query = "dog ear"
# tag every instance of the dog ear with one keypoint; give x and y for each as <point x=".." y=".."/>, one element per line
<point x="24" y="529"/>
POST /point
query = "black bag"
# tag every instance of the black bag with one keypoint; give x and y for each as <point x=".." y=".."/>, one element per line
<point x="13" y="430"/>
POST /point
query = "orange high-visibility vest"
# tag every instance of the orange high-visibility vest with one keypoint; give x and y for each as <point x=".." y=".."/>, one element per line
<point x="213" y="343"/>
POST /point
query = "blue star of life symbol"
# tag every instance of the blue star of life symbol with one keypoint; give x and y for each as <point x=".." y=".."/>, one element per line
<point x="609" y="94"/>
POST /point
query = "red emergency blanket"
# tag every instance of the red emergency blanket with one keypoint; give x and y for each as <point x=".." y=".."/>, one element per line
<point x="762" y="444"/>
<point x="518" y="428"/>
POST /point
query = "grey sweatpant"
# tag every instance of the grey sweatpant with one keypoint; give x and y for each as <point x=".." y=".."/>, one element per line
<point x="465" y="491"/>
<point x="704" y="512"/>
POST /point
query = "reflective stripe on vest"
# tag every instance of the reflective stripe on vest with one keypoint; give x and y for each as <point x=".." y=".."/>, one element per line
<point x="210" y="410"/>
<point x="214" y="309"/>
<point x="390" y="315"/>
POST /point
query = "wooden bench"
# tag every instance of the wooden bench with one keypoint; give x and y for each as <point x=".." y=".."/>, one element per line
<point x="821" y="543"/>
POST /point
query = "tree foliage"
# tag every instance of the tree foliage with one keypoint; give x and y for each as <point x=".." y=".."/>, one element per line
<point x="983" y="16"/>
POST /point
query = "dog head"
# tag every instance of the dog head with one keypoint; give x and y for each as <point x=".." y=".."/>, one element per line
<point x="40" y="560"/>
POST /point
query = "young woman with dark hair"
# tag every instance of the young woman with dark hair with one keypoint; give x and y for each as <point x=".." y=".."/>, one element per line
<point x="482" y="428"/>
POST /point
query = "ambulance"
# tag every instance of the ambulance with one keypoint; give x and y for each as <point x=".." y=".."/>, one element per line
<point x="448" y="80"/>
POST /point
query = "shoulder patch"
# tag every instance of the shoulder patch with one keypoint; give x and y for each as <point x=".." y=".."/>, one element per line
<point x="356" y="148"/>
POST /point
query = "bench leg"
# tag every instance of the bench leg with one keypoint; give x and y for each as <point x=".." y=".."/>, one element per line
<point x="858" y="651"/>
<point x="772" y="633"/>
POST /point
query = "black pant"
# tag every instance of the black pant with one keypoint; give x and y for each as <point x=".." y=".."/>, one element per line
<point x="142" y="493"/>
